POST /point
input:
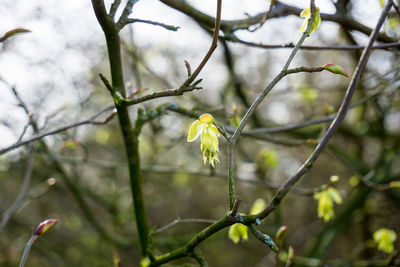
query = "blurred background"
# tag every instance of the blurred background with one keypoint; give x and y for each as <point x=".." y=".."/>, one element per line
<point x="49" y="79"/>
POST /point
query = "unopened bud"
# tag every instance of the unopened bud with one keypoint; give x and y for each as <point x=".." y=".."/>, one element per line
<point x="116" y="259"/>
<point x="328" y="109"/>
<point x="290" y="253"/>
<point x="45" y="226"/>
<point x="395" y="184"/>
<point x="334" y="179"/>
<point x="280" y="235"/>
<point x="51" y="181"/>
<point x="336" y="69"/>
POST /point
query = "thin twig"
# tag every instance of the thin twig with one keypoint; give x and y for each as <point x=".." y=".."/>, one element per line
<point x="179" y="220"/>
<point x="7" y="215"/>
<point x="23" y="132"/>
<point x="151" y="22"/>
<point x="266" y="16"/>
<point x="125" y="14"/>
<point x="295" y="126"/>
<point x="311" y="47"/>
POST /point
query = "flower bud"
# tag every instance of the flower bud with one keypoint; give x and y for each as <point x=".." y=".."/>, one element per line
<point x="280" y="235"/>
<point x="336" y="69"/>
<point x="334" y="179"/>
<point x="45" y="226"/>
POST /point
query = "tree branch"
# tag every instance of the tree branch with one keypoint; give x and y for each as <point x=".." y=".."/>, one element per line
<point x="280" y="10"/>
<point x="282" y="192"/>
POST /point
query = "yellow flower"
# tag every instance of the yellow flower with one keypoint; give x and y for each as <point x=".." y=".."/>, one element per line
<point x="325" y="202"/>
<point x="209" y="137"/>
<point x="385" y="239"/>
<point x="306" y="13"/>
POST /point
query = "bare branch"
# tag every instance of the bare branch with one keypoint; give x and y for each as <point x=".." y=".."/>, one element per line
<point x="280" y="10"/>
<point x="125" y="14"/>
<point x="91" y="120"/>
<point x="114" y="8"/>
<point x="7" y="215"/>
<point x="156" y="23"/>
<point x="179" y="220"/>
<point x="311" y="47"/>
<point x="264" y="238"/>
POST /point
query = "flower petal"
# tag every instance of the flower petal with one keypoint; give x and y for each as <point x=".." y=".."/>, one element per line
<point x="215" y="130"/>
<point x="335" y="195"/>
<point x="195" y="130"/>
<point x="306" y="13"/>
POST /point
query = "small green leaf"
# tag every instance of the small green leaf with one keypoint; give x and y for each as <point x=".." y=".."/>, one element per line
<point x="258" y="206"/>
<point x="393" y="23"/>
<point x="145" y="262"/>
<point x="335" y="195"/>
<point x="237" y="231"/>
<point x="70" y="144"/>
<point x="195" y="130"/>
<point x="280" y="235"/>
<point x="354" y="180"/>
<point x="336" y="69"/>
<point x="306" y="13"/>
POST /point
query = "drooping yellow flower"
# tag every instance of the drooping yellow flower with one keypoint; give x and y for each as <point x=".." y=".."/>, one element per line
<point x="306" y="14"/>
<point x="385" y="238"/>
<point x="325" y="202"/>
<point x="209" y="137"/>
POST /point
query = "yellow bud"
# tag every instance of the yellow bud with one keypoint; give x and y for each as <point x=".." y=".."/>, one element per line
<point x="206" y="118"/>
